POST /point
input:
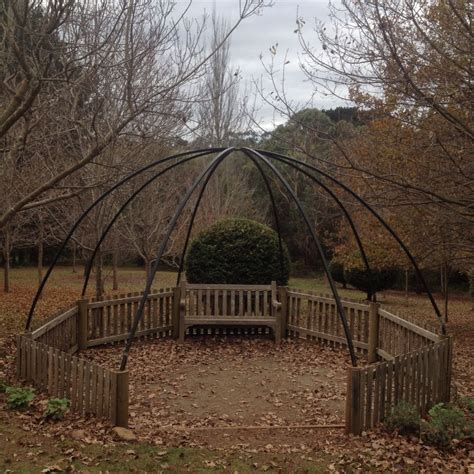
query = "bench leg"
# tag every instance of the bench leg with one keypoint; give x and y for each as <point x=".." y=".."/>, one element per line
<point x="277" y="333"/>
<point x="182" y="331"/>
<point x="182" y="327"/>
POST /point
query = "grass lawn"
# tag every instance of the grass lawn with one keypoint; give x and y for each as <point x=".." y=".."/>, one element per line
<point x="29" y="445"/>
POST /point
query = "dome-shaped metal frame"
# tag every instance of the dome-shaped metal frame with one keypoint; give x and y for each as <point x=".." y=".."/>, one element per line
<point x="258" y="158"/>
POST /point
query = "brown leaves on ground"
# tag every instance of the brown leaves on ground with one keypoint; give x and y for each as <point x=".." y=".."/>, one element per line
<point x="209" y="382"/>
<point x="460" y="325"/>
<point x="63" y="289"/>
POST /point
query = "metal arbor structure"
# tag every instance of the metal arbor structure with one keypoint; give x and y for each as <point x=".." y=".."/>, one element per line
<point x="263" y="162"/>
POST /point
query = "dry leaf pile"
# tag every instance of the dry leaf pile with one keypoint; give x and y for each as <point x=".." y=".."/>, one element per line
<point x="211" y="382"/>
<point x="208" y="383"/>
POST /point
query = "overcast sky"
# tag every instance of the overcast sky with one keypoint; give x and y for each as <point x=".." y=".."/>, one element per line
<point x="257" y="34"/>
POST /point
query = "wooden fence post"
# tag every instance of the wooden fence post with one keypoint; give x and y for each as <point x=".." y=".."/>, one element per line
<point x="18" y="356"/>
<point x="373" y="332"/>
<point x="122" y="399"/>
<point x="449" y="368"/>
<point x="82" y="325"/>
<point x="446" y="367"/>
<point x="283" y="294"/>
<point x="353" y="412"/>
<point x="182" y="311"/>
<point x="175" y="317"/>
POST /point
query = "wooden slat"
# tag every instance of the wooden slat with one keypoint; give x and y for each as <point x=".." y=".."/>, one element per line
<point x="126" y="299"/>
<point x="80" y="386"/>
<point x="216" y="301"/>
<point x="55" y="391"/>
<point x="123" y="336"/>
<point x="87" y="387"/>
<point x="329" y="299"/>
<point x="101" y="391"/>
<point x="238" y="321"/>
<point x="325" y="336"/>
<point x="74" y="380"/>
<point x="202" y="286"/>
<point x="61" y="318"/>
<point x="369" y="371"/>
<point x="410" y="326"/>
<point x="362" y="398"/>
<point x="61" y="375"/>
<point x="113" y="397"/>
<point x="50" y="370"/>
<point x="106" y="394"/>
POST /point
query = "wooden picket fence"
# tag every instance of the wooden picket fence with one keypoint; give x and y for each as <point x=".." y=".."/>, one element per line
<point x="416" y="366"/>
<point x="110" y="320"/>
<point x="421" y="378"/>
<point x="406" y="362"/>
<point x="45" y="357"/>
<point x="91" y="389"/>
<point x="398" y="336"/>
<point x="60" y="331"/>
<point x="314" y="316"/>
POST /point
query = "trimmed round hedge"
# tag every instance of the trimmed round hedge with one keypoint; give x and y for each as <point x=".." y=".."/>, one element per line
<point x="381" y="279"/>
<point x="237" y="251"/>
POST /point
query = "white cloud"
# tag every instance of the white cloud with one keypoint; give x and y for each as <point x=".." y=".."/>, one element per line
<point x="257" y="34"/>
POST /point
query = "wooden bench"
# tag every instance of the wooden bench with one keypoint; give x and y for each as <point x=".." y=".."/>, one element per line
<point x="229" y="305"/>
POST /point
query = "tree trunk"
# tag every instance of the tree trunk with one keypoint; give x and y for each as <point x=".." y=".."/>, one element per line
<point x="6" y="262"/>
<point x="442" y="283"/>
<point x="406" y="287"/>
<point x="99" y="284"/>
<point x="74" y="269"/>
<point x="40" y="252"/>
<point x="446" y="292"/>
<point x="147" y="268"/>
<point x="115" y="269"/>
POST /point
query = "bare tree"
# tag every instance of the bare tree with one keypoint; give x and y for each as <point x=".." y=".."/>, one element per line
<point x="221" y="112"/>
<point x="123" y="71"/>
<point x="407" y="67"/>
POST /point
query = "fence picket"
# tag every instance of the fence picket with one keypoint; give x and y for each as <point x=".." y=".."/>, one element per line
<point x="417" y="366"/>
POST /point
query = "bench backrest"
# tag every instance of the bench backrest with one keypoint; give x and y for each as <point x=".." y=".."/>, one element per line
<point x="228" y="300"/>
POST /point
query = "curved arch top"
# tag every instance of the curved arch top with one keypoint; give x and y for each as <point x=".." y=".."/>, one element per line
<point x="261" y="159"/>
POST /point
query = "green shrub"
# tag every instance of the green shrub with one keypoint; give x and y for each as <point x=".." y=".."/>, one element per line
<point x="3" y="386"/>
<point x="19" y="397"/>
<point x="337" y="271"/>
<point x="237" y="251"/>
<point x="468" y="403"/>
<point x="404" y="418"/>
<point x="56" y="408"/>
<point x="444" y="425"/>
<point x="378" y="280"/>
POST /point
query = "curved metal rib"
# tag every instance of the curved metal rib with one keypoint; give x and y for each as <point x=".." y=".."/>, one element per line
<point x="206" y="175"/>
<point x="285" y="159"/>
<point x="319" y="247"/>
<point x="275" y="216"/>
<point x="119" y="212"/>
<point x="86" y="212"/>
<point x="349" y="219"/>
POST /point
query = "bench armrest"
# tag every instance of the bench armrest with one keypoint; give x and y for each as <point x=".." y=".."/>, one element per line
<point x="276" y="304"/>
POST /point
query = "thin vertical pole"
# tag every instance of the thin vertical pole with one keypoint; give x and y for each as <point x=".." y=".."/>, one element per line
<point x="373" y="332"/>
<point x="82" y="325"/>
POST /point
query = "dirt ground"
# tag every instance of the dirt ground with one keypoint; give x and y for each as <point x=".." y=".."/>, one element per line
<point x="171" y="386"/>
<point x="230" y="382"/>
<point x="191" y="402"/>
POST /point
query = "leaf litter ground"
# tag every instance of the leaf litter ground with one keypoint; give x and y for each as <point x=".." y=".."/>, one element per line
<point x="198" y="373"/>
